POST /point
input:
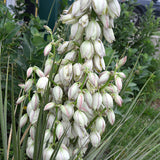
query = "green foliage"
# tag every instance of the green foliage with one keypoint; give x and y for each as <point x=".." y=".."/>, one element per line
<point x="134" y="40"/>
<point x="23" y="45"/>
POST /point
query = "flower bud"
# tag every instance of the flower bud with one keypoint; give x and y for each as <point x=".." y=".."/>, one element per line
<point x="121" y="62"/>
<point x="114" y="8"/>
<point x="107" y="100"/>
<point x="20" y="99"/>
<point x="80" y="131"/>
<point x="100" y="125"/>
<point x="73" y="91"/>
<point x="47" y="49"/>
<point x="88" y="65"/>
<point x="57" y="79"/>
<point x="32" y="132"/>
<point x="68" y="19"/>
<point x="29" y="71"/>
<point x="66" y="74"/>
<point x="48" y="29"/>
<point x="42" y="83"/>
<point x="111" y="116"/>
<point x="47" y="153"/>
<point x="33" y="116"/>
<point x="79" y="14"/>
<point x="29" y="142"/>
<point x="30" y="151"/>
<point x="68" y="128"/>
<point x="35" y="101"/>
<point x="93" y="30"/>
<point x="99" y="48"/>
<point x="118" y="82"/>
<point x="95" y="138"/>
<point x="70" y="56"/>
<point x="59" y="130"/>
<point x="87" y="50"/>
<point x="99" y="63"/>
<point x="71" y="45"/>
<point x="63" y="153"/>
<point x="90" y="87"/>
<point x="118" y="99"/>
<point x="77" y="71"/>
<point x="111" y="88"/>
<point x="49" y="106"/>
<point x="28" y="85"/>
<point x="48" y="66"/>
<point x="67" y="110"/>
<point x="97" y="101"/>
<point x="93" y="79"/>
<point x="88" y="98"/>
<point x="21" y="85"/>
<point x="39" y="72"/>
<point x="74" y="30"/>
<point x="79" y="33"/>
<point x="105" y="20"/>
<point x="103" y="77"/>
<point x="80" y="101"/>
<point x="108" y="34"/>
<point x="88" y="111"/>
<point x="99" y="7"/>
<point x="47" y="135"/>
<point x="63" y="47"/>
<point x="29" y="108"/>
<point x="57" y="94"/>
<point x="80" y="118"/>
<point x="84" y="20"/>
<point x="75" y="8"/>
<point x="50" y="121"/>
<point x="23" y="120"/>
<point x="121" y="74"/>
<point x="85" y="4"/>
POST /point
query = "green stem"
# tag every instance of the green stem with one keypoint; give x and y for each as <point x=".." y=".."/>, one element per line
<point x="85" y="77"/>
<point x="5" y="101"/>
<point x="13" y="121"/>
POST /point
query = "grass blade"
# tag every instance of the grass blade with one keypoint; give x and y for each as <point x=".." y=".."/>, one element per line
<point x="3" y="114"/>
<point x="14" y="137"/>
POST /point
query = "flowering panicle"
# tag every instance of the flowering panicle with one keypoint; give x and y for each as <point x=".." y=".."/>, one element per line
<point x="82" y="92"/>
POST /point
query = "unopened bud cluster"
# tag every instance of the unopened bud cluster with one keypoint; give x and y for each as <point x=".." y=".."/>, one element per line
<point x="82" y="89"/>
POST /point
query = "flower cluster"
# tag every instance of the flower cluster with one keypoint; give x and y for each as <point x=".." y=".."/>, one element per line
<point x="82" y="92"/>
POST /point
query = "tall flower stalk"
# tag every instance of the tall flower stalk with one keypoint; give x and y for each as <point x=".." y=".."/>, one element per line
<point x="82" y="92"/>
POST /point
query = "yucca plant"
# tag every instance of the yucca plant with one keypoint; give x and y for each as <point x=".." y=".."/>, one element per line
<point x="71" y="97"/>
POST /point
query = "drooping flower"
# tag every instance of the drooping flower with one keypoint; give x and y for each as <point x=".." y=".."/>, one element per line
<point x="100" y="125"/>
<point x="47" y="49"/>
<point x="80" y="118"/>
<point x="95" y="138"/>
<point x="111" y="116"/>
<point x="47" y="153"/>
<point x="99" y="7"/>
<point x="23" y="120"/>
<point x="93" y="30"/>
<point x="87" y="50"/>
